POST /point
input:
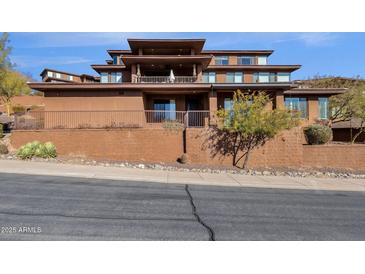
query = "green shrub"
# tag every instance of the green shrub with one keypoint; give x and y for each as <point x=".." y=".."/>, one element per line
<point x="18" y="108"/>
<point x="3" y="149"/>
<point x="1" y="131"/>
<point x="37" y="149"/>
<point x="318" y="134"/>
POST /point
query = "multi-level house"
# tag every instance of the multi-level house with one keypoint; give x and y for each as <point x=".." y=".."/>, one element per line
<point x="164" y="78"/>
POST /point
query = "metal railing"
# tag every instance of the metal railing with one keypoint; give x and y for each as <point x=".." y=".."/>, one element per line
<point x="111" y="119"/>
<point x="166" y="79"/>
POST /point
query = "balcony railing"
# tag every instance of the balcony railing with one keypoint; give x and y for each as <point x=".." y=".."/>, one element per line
<point x="111" y="119"/>
<point x="166" y="79"/>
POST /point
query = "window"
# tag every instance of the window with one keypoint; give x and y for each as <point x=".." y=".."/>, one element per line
<point x="283" y="77"/>
<point x="70" y="77"/>
<point x="262" y="60"/>
<point x="261" y="77"/>
<point x="49" y="73"/>
<point x="323" y="108"/>
<point x="221" y="60"/>
<point x="116" y="77"/>
<point x="297" y="104"/>
<point x="104" y="77"/>
<point x="245" y="60"/>
<point x="165" y="110"/>
<point x="115" y="60"/>
<point x="58" y="75"/>
<point x="209" y="77"/>
<point x="228" y="103"/>
<point x="234" y="77"/>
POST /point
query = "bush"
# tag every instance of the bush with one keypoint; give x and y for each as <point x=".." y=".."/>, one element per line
<point x="318" y="134"/>
<point x="3" y="149"/>
<point x="18" y="108"/>
<point x="37" y="149"/>
<point x="1" y="131"/>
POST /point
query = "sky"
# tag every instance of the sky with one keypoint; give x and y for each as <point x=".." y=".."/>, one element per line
<point x="335" y="54"/>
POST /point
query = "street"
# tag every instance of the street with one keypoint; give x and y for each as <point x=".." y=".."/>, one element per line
<point x="35" y="207"/>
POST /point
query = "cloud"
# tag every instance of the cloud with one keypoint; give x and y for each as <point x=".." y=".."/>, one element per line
<point x="318" y="38"/>
<point x="27" y="61"/>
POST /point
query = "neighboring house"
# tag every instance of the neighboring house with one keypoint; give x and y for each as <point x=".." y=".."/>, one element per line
<point x="164" y="78"/>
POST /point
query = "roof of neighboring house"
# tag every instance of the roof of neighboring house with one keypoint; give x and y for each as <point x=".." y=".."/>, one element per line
<point x="68" y="73"/>
<point x="354" y="123"/>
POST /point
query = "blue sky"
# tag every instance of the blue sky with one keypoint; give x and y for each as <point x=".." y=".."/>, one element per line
<point x="340" y="54"/>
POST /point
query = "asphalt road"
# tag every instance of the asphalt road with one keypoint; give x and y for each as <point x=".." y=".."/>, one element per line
<point x="61" y="208"/>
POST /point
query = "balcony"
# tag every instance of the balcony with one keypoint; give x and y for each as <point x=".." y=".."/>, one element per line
<point x="166" y="79"/>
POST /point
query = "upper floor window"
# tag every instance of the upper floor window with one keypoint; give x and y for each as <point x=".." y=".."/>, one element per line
<point x="104" y="77"/>
<point x="283" y="77"/>
<point x="297" y="104"/>
<point x="262" y="60"/>
<point x="115" y="60"/>
<point x="234" y="77"/>
<point x="209" y="77"/>
<point x="221" y="60"/>
<point x="58" y="75"/>
<point x="70" y="77"/>
<point x="323" y="108"/>
<point x="261" y="77"/>
<point x="49" y="73"/>
<point x="245" y="60"/>
<point x="116" y="77"/>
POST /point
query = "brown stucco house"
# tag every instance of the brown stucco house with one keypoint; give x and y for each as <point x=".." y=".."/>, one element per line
<point x="178" y="75"/>
<point x="160" y="80"/>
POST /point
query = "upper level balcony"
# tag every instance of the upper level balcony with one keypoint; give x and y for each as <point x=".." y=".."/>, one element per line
<point x="167" y="79"/>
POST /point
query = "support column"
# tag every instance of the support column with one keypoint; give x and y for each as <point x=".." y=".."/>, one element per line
<point x="312" y="109"/>
<point x="194" y="70"/>
<point x="213" y="106"/>
<point x="199" y="73"/>
<point x="133" y="73"/>
<point x="279" y="100"/>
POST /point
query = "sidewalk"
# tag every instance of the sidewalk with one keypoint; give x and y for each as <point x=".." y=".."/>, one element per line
<point x="179" y="177"/>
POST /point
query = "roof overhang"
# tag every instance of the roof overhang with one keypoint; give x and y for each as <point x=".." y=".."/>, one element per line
<point x="166" y="59"/>
<point x="45" y="86"/>
<point x="266" y="68"/>
<point x="100" y="68"/>
<point x="255" y="86"/>
<point x="196" y="44"/>
<point x="315" y="91"/>
<point x="113" y="52"/>
<point x="240" y="52"/>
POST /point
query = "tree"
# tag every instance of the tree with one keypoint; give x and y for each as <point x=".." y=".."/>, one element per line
<point x="4" y="52"/>
<point x="250" y="124"/>
<point x="12" y="83"/>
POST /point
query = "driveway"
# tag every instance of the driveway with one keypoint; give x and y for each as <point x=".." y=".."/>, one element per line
<point x="39" y="207"/>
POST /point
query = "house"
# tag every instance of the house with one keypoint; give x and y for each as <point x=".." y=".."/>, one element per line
<point x="161" y="79"/>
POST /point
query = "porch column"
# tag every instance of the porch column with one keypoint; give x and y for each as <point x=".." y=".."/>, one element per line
<point x="213" y="106"/>
<point x="199" y="73"/>
<point x="279" y="100"/>
<point x="133" y="73"/>
<point x="194" y="70"/>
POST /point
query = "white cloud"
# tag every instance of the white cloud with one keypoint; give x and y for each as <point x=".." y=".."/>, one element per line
<point x="318" y="38"/>
<point x="22" y="61"/>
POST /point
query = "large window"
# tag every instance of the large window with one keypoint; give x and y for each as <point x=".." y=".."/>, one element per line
<point x="261" y="77"/>
<point x="262" y="60"/>
<point x="164" y="110"/>
<point x="283" y="77"/>
<point x="245" y="60"/>
<point x="297" y="104"/>
<point x="104" y="77"/>
<point x="221" y="60"/>
<point x="323" y="108"/>
<point x="209" y="77"/>
<point x="116" y="77"/>
<point x="234" y="77"/>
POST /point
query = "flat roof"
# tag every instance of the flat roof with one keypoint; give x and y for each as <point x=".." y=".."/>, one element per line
<point x="242" y="52"/>
<point x="196" y="44"/>
<point x="284" y="68"/>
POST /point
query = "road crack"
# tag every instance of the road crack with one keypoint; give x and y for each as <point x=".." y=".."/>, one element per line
<point x="197" y="217"/>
